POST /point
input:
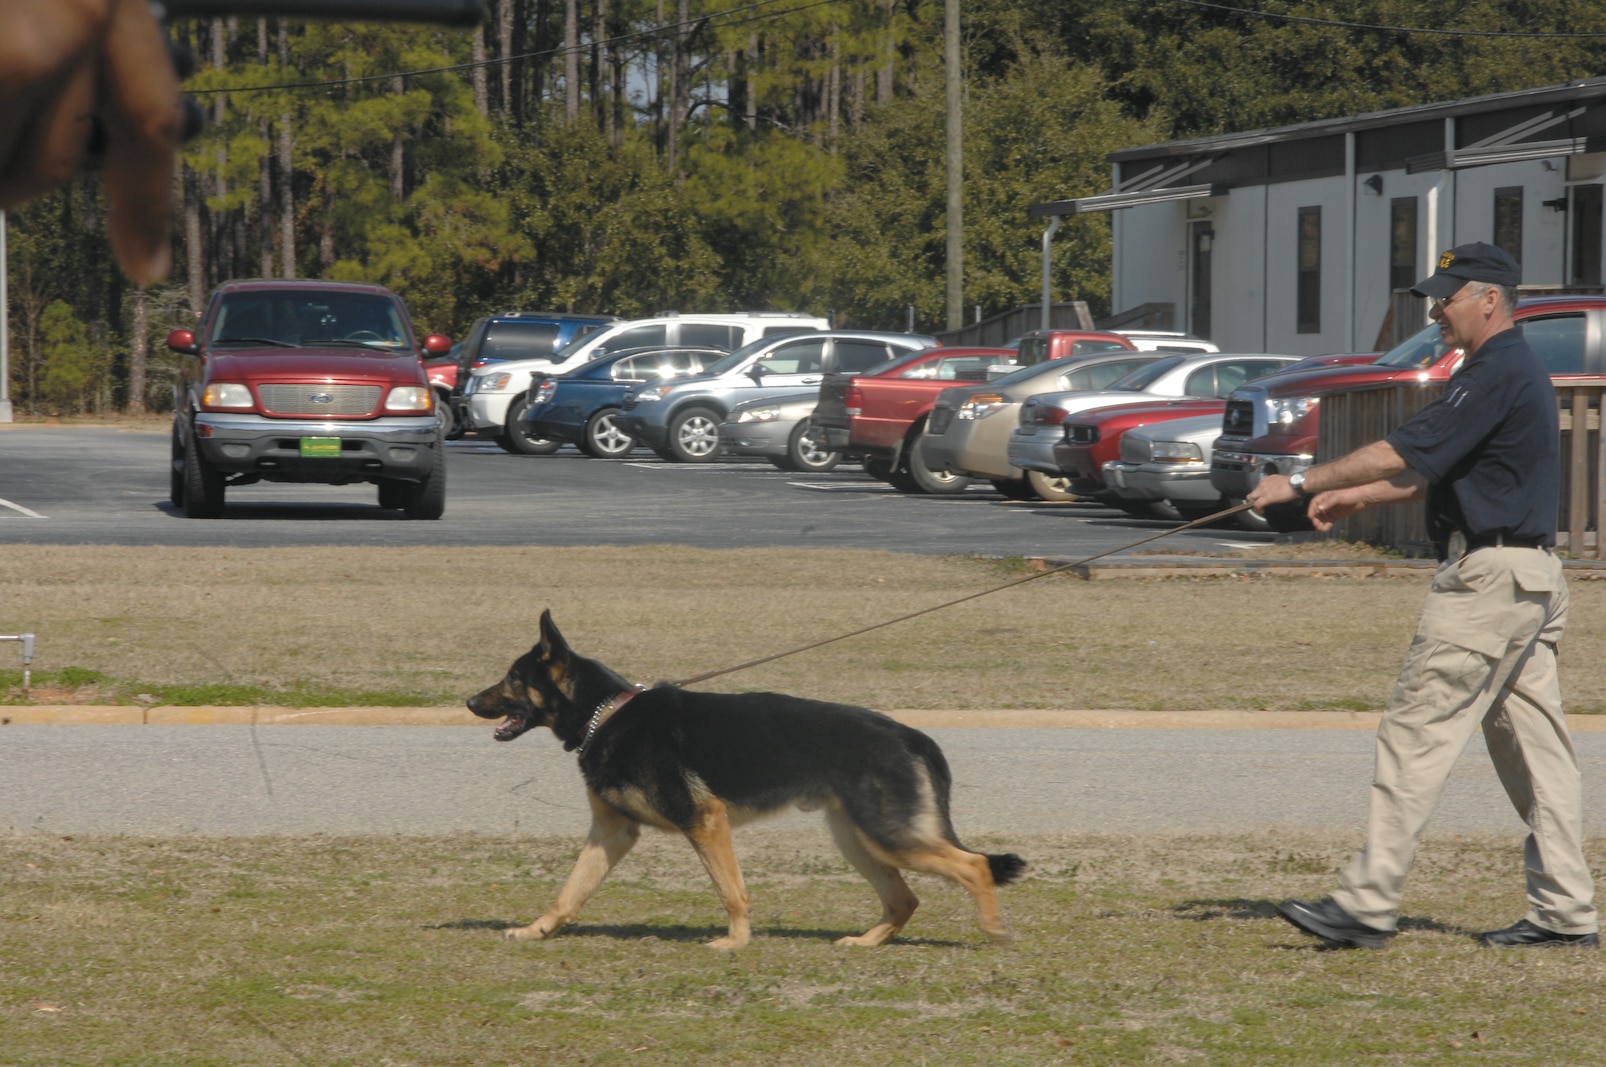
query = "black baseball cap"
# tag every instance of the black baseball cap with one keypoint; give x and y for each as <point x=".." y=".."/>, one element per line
<point x="1475" y="262"/>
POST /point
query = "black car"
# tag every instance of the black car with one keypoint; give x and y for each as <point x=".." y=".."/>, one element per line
<point x="578" y="407"/>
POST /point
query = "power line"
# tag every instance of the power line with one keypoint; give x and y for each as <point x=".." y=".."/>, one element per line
<point x="1425" y="30"/>
<point x="724" y="17"/>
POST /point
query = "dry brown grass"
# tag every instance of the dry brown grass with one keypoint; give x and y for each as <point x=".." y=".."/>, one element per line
<point x="440" y="625"/>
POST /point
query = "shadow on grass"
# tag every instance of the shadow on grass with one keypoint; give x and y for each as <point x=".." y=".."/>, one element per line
<point x="688" y="934"/>
<point x="1246" y="908"/>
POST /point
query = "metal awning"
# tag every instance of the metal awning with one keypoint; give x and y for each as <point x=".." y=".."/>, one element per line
<point x="1114" y="201"/>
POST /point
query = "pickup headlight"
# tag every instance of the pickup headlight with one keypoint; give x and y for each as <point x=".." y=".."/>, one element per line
<point x="1175" y="452"/>
<point x="981" y="406"/>
<point x="227" y="395"/>
<point x="410" y="398"/>
<point x="1289" y="410"/>
<point x="493" y="383"/>
<point x="759" y="415"/>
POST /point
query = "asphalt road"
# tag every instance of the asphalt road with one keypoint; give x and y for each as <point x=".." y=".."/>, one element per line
<point x="226" y="780"/>
<point x="71" y="485"/>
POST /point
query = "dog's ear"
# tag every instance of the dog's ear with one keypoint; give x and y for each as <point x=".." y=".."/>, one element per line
<point x="556" y="646"/>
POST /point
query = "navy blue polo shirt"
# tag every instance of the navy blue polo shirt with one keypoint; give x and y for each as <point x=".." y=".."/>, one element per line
<point x="1489" y="447"/>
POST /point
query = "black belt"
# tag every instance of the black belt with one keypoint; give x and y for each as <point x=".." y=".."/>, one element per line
<point x="1475" y="542"/>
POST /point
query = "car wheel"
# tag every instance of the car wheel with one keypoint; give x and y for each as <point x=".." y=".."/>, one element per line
<point x="427" y="499"/>
<point x="1014" y="488"/>
<point x="805" y="454"/>
<point x="514" y="438"/>
<point x="175" y="470"/>
<point x="921" y="478"/>
<point x="1048" y="487"/>
<point x="1247" y="520"/>
<point x="203" y="485"/>
<point x="445" y="417"/>
<point x="694" y="436"/>
<point x="879" y="469"/>
<point x="604" y="440"/>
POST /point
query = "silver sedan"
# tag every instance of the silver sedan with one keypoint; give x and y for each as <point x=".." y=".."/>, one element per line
<point x="778" y="429"/>
<point x="1164" y="472"/>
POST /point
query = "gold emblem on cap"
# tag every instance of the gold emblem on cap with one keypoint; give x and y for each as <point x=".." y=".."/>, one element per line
<point x="1445" y="259"/>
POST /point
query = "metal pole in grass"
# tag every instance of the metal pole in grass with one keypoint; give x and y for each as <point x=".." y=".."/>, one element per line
<point x="27" y="658"/>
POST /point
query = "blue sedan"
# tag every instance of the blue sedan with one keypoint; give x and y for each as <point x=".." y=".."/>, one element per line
<point x="578" y="407"/>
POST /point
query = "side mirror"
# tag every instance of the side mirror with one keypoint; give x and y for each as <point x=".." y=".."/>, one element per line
<point x="182" y="341"/>
<point x="437" y="344"/>
<point x="756" y="373"/>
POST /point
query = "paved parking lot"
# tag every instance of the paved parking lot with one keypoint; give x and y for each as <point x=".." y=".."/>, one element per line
<point x="61" y="485"/>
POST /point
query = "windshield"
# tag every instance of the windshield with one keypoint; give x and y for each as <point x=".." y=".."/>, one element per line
<point x="296" y="317"/>
<point x="1144" y="377"/>
<point x="736" y="358"/>
<point x="1421" y="349"/>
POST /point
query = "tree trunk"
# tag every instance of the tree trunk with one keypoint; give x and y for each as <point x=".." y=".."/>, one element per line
<point x="138" y="351"/>
<point x="287" y="200"/>
<point x="571" y="59"/>
<point x="482" y="98"/>
<point x="398" y="157"/>
<point x="599" y="62"/>
<point x="504" y="44"/>
<point x="193" y="240"/>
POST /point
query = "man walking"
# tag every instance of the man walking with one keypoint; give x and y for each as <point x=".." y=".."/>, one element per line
<point x="1485" y="458"/>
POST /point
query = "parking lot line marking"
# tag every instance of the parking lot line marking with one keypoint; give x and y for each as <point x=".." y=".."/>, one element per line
<point x="20" y="508"/>
<point x="844" y="487"/>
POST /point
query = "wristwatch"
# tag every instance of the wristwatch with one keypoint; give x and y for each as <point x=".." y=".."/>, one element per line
<point x="1296" y="482"/>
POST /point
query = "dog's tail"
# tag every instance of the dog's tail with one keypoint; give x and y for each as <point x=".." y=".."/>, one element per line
<point x="1006" y="868"/>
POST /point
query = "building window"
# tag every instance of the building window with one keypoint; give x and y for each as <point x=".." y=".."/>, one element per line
<point x="1508" y="220"/>
<point x="1402" y="242"/>
<point x="1585" y="218"/>
<point x="1310" y="270"/>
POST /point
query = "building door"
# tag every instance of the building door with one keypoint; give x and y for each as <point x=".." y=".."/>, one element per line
<point x="1201" y="237"/>
<point x="1585" y="219"/>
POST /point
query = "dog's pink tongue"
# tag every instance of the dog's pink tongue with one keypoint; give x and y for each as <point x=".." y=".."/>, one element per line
<point x="506" y="727"/>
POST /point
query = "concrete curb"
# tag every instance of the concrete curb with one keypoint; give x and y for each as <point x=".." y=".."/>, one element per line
<point x="997" y="718"/>
<point x="1217" y="567"/>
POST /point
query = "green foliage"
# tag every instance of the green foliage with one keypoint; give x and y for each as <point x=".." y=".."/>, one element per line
<point x="796" y="164"/>
<point x="73" y="367"/>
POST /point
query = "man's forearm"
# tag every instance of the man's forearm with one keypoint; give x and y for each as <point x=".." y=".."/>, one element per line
<point x="1376" y="462"/>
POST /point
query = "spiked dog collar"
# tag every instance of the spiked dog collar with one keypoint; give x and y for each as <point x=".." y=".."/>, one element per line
<point x="605" y="711"/>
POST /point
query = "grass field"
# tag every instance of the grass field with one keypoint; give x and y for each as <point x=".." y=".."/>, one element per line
<point x="1151" y="949"/>
<point x="336" y="626"/>
<point x="385" y="950"/>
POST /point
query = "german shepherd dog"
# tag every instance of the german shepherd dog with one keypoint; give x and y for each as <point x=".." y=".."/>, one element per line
<point x="700" y="763"/>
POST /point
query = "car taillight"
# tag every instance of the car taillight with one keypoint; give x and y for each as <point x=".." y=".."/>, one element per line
<point x="854" y="400"/>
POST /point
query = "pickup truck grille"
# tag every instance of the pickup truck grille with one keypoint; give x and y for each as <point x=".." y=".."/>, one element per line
<point x="315" y="398"/>
<point x="940" y="419"/>
<point x="1239" y="419"/>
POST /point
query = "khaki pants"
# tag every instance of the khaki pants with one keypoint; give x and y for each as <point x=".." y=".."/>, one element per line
<point x="1484" y="652"/>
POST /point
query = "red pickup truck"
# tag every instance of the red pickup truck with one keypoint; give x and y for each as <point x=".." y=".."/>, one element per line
<point x="876" y="416"/>
<point x="1270" y="425"/>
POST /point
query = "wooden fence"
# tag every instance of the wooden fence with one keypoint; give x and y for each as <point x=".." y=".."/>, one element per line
<point x="1352" y="419"/>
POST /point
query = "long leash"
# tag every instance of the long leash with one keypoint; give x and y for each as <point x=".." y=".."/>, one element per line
<point x="962" y="600"/>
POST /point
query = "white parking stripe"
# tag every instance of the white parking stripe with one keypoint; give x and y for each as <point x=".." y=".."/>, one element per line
<point x="20" y="508"/>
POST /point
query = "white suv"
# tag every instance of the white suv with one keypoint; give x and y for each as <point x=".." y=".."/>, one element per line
<point x="496" y="395"/>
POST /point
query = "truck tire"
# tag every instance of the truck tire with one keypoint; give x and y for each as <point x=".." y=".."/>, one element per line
<point x="1048" y="487"/>
<point x="920" y="478"/>
<point x="515" y="439"/>
<point x="806" y="455"/>
<point x="393" y="494"/>
<point x="427" y="499"/>
<point x="603" y="439"/>
<point x="694" y="435"/>
<point x="445" y="416"/>
<point x="203" y="486"/>
<point x="1246" y="520"/>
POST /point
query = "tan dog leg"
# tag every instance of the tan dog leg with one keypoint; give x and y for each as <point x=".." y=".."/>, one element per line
<point x="612" y="835"/>
<point x="970" y="870"/>
<point x="711" y="837"/>
<point x="898" y="902"/>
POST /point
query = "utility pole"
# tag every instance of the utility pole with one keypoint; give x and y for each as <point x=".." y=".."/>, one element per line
<point x="5" y="331"/>
<point x="956" y="176"/>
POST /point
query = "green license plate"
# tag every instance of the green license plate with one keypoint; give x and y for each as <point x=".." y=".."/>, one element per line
<point x="320" y="448"/>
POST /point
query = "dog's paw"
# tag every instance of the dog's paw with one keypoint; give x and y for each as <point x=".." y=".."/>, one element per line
<point x="536" y="931"/>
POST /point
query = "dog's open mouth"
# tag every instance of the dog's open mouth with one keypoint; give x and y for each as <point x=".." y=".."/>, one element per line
<point x="511" y="727"/>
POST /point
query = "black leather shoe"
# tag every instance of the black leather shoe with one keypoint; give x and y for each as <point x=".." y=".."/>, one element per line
<point x="1336" y="927"/>
<point x="1523" y="934"/>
